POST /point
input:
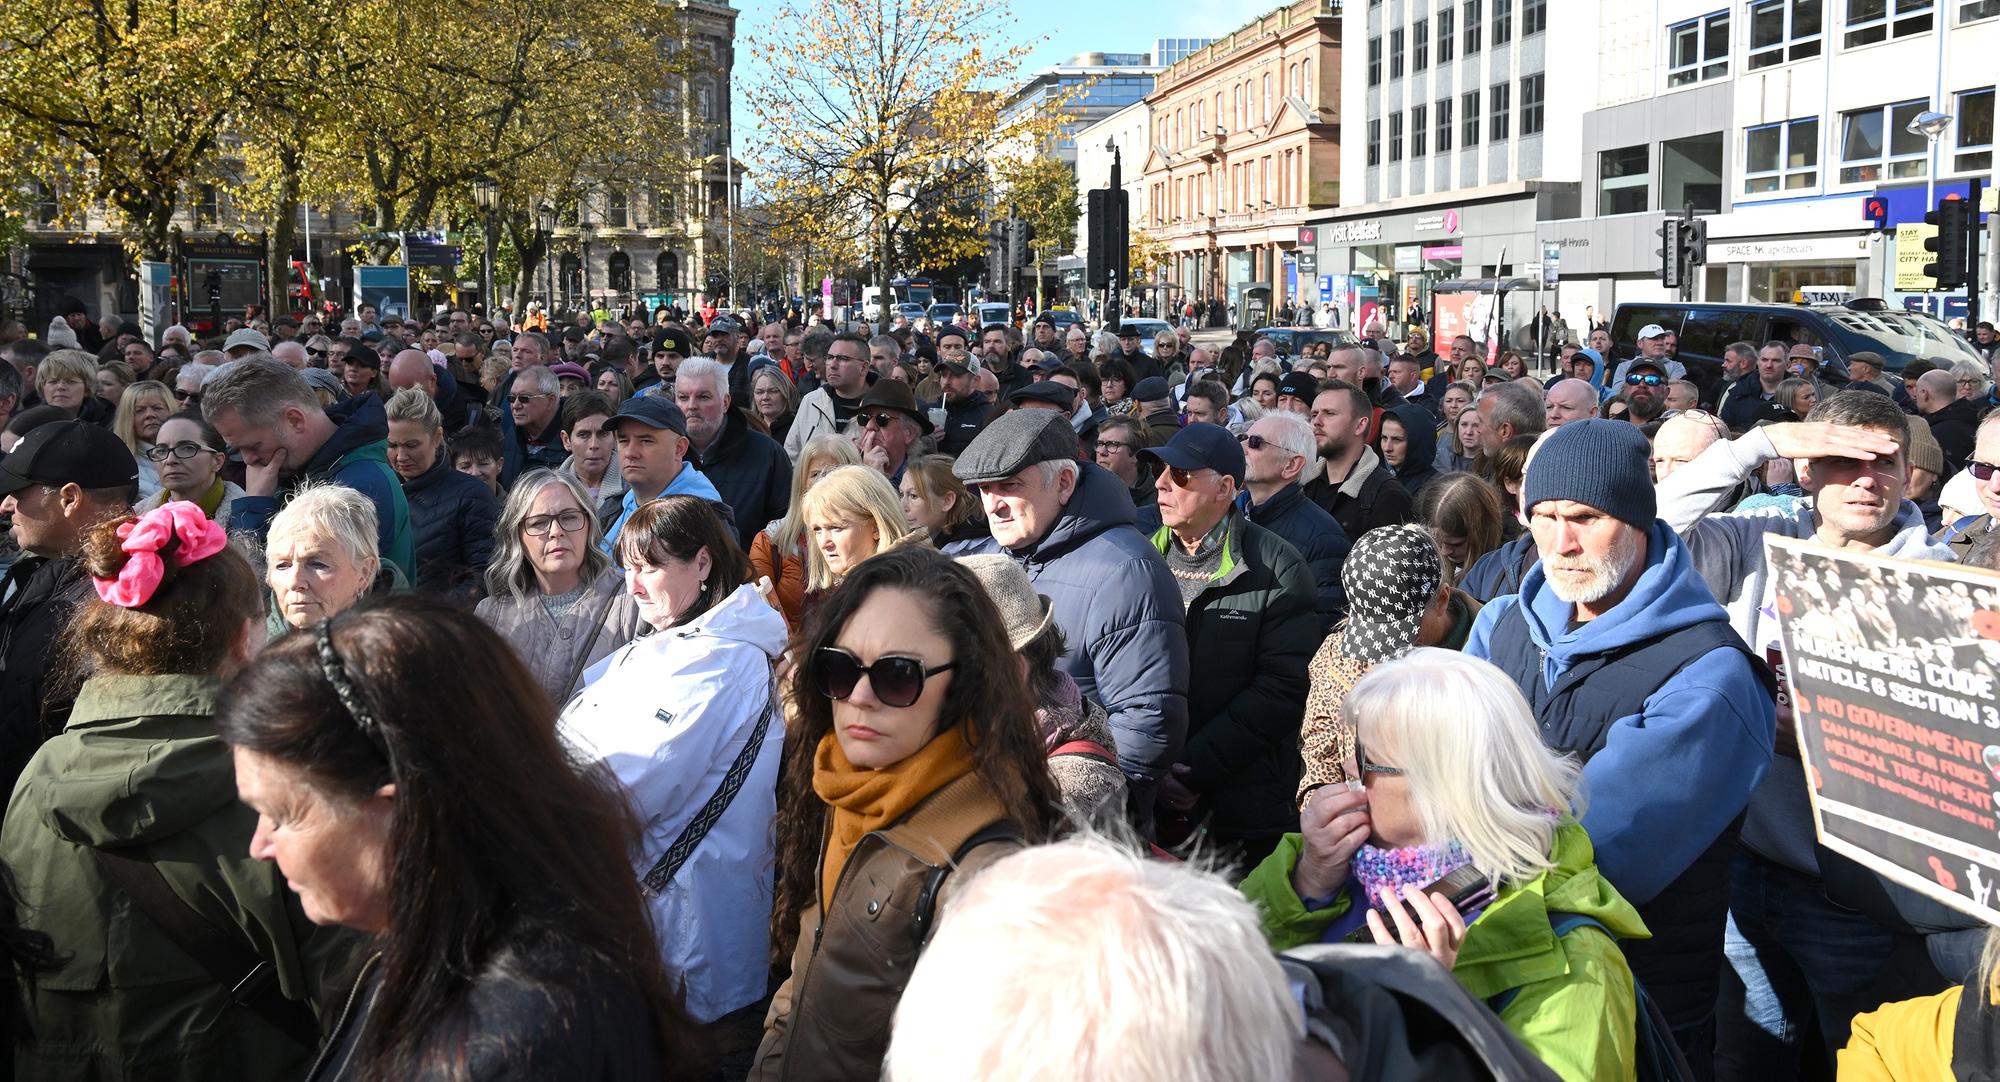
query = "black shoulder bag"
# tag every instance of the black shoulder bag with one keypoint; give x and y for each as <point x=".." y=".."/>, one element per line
<point x="683" y="847"/>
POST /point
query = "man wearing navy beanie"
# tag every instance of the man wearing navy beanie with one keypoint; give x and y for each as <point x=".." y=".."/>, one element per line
<point x="1631" y="665"/>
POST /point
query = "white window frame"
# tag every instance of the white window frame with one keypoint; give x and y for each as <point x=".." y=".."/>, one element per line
<point x="1887" y="163"/>
<point x="1899" y="19"/>
<point x="1785" y="173"/>
<point x="1977" y="9"/>
<point x="1960" y="149"/>
<point x="1704" y="66"/>
<point x="1789" y="47"/>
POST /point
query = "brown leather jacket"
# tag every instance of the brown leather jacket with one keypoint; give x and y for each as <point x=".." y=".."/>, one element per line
<point x="830" y="1019"/>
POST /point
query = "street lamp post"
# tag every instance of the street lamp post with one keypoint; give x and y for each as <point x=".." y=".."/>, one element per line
<point x="583" y="232"/>
<point x="545" y="220"/>
<point x="486" y="196"/>
<point x="1930" y="124"/>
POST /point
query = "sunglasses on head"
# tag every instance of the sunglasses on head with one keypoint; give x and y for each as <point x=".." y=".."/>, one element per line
<point x="1634" y="379"/>
<point x="897" y="681"/>
<point x="1982" y="471"/>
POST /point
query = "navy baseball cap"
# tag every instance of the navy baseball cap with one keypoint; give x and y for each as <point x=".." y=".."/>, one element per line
<point x="652" y="411"/>
<point x="1202" y="446"/>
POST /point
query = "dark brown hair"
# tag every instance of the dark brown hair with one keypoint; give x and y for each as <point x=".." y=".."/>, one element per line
<point x="189" y="626"/>
<point x="493" y="834"/>
<point x="680" y="527"/>
<point x="986" y="695"/>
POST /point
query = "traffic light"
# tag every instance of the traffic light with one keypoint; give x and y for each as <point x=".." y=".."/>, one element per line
<point x="1023" y="241"/>
<point x="1672" y="251"/>
<point x="1106" y="250"/>
<point x="1694" y="243"/>
<point x="1953" y="219"/>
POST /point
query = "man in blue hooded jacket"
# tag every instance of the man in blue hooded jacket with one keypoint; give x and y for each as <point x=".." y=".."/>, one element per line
<point x="1630" y="664"/>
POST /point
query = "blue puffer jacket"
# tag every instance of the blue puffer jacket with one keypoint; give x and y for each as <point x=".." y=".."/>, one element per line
<point x="1120" y="610"/>
<point x="1317" y="536"/>
<point x="453" y="516"/>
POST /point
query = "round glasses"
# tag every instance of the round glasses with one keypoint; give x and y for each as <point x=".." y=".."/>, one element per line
<point x="897" y="681"/>
<point x="183" y="450"/>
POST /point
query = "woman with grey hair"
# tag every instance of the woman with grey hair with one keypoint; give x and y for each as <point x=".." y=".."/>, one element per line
<point x="551" y="591"/>
<point x="321" y="556"/>
<point x="1972" y="381"/>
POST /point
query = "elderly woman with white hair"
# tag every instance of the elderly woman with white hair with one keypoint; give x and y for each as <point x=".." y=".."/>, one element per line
<point x="321" y="556"/>
<point x="1455" y="782"/>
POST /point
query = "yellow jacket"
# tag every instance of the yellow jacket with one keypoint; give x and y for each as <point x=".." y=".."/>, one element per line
<point x="1907" y="1041"/>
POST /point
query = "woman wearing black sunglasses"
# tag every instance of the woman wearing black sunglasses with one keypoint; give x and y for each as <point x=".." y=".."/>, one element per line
<point x="913" y="761"/>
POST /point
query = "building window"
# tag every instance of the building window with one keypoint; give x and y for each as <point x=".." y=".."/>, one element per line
<point x="1498" y="96"/>
<point x="1534" y="17"/>
<point x="1374" y="61"/>
<point x="207" y="205"/>
<point x="1420" y="45"/>
<point x="1470" y="101"/>
<point x="1691" y="172"/>
<point x="1622" y="180"/>
<point x="46" y="209"/>
<point x="1870" y="21"/>
<point x="1698" y="50"/>
<point x="1531" y="105"/>
<point x="1419" y="130"/>
<point x="1783" y="30"/>
<point x="1503" y="22"/>
<point x="1375" y="142"/>
<point x="1975" y="132"/>
<point x="1270" y="101"/>
<point x="1443" y="125"/>
<point x="1781" y="156"/>
<point x="617" y="213"/>
<point x="1395" y="137"/>
<point x="1969" y="10"/>
<point x="1446" y="20"/>
<point x="1877" y="143"/>
<point x="1472" y="27"/>
<point x="1395" y="54"/>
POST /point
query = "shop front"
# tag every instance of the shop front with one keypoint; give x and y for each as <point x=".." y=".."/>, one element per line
<point x="1388" y="263"/>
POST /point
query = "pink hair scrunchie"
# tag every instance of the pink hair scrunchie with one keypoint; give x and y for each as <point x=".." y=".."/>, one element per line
<point x="142" y="541"/>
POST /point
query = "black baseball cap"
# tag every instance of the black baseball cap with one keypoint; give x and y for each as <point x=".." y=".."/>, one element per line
<point x="69" y="452"/>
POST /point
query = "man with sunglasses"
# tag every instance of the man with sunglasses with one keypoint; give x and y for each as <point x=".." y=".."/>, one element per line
<point x="1277" y="452"/>
<point x="1252" y="623"/>
<point x="885" y="427"/>
<point x="1071" y="525"/>
<point x="1852" y="456"/>
<point x="1645" y="391"/>
<point x="528" y="427"/>
<point x="1984" y="466"/>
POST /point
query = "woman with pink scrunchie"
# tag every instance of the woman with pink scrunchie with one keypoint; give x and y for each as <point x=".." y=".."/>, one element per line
<point x="127" y="822"/>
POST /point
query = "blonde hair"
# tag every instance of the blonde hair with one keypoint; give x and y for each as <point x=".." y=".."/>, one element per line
<point x="1470" y="749"/>
<point x="124" y="423"/>
<point x="853" y="493"/>
<point x="68" y="364"/>
<point x="412" y="404"/>
<point x="787" y="532"/>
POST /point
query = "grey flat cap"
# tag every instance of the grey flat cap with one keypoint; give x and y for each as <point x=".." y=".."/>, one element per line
<point x="1013" y="442"/>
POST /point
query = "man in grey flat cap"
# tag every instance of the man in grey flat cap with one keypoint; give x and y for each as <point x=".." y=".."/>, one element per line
<point x="1070" y="524"/>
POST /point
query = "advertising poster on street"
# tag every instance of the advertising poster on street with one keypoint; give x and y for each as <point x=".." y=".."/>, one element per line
<point x="387" y="288"/>
<point x="1891" y="669"/>
<point x="156" y="299"/>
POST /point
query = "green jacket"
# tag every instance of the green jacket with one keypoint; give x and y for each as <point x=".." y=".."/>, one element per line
<point x="1575" y="1009"/>
<point x="140" y="770"/>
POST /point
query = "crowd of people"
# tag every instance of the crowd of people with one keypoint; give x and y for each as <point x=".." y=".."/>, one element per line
<point x="452" y="699"/>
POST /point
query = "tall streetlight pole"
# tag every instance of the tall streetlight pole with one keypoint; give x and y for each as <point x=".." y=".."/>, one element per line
<point x="545" y="219"/>
<point x="1930" y="124"/>
<point x="486" y="195"/>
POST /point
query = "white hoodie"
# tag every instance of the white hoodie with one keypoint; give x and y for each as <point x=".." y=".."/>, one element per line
<point x="667" y="716"/>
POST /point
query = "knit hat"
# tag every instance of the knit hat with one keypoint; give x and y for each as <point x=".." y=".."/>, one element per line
<point x="1925" y="452"/>
<point x="1390" y="575"/>
<point x="1025" y="613"/>
<point x="1600" y="464"/>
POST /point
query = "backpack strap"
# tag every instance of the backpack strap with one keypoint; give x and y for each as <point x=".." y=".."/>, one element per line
<point x="926" y="908"/>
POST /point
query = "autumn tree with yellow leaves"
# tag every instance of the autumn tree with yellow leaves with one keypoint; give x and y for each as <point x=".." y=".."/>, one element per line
<point x="885" y="111"/>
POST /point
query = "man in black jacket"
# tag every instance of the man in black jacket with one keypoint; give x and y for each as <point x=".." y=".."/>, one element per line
<point x="1252" y="625"/>
<point x="59" y="481"/>
<point x="966" y="407"/>
<point x="1277" y="451"/>
<point x="749" y="468"/>
<point x="1953" y="420"/>
<point x="1353" y="485"/>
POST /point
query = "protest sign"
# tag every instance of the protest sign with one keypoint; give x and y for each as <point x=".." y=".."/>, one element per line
<point x="1892" y="668"/>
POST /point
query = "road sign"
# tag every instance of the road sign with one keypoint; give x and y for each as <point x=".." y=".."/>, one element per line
<point x="1551" y="265"/>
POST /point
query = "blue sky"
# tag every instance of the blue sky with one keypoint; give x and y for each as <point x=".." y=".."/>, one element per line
<point x="1059" y="31"/>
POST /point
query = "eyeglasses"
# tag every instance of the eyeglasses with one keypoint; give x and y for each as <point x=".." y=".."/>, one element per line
<point x="1361" y="760"/>
<point x="524" y="399"/>
<point x="310" y="352"/>
<point x="875" y="420"/>
<point x="1118" y="445"/>
<point x="570" y="521"/>
<point x="1970" y="381"/>
<point x="897" y="681"/>
<point x="184" y="449"/>
<point x="1634" y="379"/>
<point x="1982" y="471"/>
<point x="192" y="398"/>
<point x="1255" y="443"/>
<point x="1182" y="478"/>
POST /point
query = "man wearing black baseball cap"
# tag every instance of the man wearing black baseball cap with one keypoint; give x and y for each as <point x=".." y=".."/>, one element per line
<point x="1252" y="626"/>
<point x="1129" y="350"/>
<point x="60" y="480"/>
<point x="966" y="407"/>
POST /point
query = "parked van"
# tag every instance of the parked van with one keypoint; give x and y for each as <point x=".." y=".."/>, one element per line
<point x="1863" y="324"/>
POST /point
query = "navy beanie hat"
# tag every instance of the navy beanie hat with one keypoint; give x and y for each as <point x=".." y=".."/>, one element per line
<point x="1602" y="464"/>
